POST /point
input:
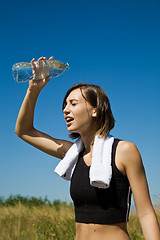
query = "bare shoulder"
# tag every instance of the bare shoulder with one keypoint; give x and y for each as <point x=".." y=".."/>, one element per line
<point x="128" y="153"/>
<point x="127" y="147"/>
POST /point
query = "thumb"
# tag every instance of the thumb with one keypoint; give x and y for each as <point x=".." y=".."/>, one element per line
<point x="46" y="80"/>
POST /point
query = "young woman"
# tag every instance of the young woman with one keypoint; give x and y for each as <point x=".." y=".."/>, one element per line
<point x="101" y="214"/>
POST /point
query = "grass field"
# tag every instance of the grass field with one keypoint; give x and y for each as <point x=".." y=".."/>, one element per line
<point x="37" y="219"/>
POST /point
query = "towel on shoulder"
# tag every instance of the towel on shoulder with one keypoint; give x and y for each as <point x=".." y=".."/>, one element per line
<point x="100" y="173"/>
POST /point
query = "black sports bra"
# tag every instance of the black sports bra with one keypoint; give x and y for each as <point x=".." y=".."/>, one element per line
<point x="100" y="206"/>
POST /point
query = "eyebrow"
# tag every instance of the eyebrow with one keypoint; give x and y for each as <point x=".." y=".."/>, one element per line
<point x="72" y="99"/>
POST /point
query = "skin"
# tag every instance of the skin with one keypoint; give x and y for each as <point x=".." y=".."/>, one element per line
<point x="127" y="159"/>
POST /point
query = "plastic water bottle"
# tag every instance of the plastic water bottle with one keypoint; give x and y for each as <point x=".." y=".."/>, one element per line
<point x="37" y="70"/>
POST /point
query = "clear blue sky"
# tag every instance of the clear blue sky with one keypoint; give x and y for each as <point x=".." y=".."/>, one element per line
<point x="114" y="44"/>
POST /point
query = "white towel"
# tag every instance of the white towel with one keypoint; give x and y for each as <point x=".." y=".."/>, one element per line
<point x="100" y="171"/>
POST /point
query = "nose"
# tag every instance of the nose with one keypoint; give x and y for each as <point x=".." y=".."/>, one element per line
<point x="66" y="109"/>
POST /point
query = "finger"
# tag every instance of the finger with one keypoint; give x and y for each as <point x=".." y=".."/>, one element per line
<point x="46" y="80"/>
<point x="33" y="63"/>
<point x="42" y="58"/>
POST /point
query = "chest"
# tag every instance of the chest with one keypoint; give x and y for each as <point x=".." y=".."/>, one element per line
<point x="87" y="158"/>
<point x="82" y="192"/>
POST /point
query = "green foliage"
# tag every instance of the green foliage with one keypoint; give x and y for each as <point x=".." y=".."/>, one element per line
<point x="28" y="218"/>
<point x="2" y="201"/>
<point x="135" y="236"/>
<point x="13" y="200"/>
<point x="46" y="229"/>
<point x="23" y="218"/>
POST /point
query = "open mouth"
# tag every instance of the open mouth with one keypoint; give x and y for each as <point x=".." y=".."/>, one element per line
<point x="69" y="120"/>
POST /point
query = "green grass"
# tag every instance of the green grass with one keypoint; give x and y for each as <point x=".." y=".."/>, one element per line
<point x="24" y="218"/>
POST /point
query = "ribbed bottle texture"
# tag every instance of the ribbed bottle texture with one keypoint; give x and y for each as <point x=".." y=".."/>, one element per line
<point x="24" y="71"/>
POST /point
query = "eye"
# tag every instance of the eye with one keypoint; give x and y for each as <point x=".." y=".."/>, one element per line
<point x="74" y="104"/>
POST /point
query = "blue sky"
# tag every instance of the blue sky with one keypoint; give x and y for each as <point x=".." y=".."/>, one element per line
<point x="114" y="44"/>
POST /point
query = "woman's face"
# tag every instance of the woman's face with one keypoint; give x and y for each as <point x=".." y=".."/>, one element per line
<point x="78" y="113"/>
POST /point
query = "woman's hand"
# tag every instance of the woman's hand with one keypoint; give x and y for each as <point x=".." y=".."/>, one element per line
<point x="39" y="70"/>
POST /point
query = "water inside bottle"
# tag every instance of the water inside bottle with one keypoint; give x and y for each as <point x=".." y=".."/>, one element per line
<point x="23" y="71"/>
<point x="57" y="67"/>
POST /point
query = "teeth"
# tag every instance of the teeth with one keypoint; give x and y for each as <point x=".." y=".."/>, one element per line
<point x="69" y="119"/>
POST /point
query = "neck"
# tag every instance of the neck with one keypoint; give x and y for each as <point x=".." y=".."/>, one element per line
<point x="88" y="141"/>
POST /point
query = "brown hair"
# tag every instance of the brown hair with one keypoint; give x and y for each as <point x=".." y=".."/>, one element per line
<point x="98" y="99"/>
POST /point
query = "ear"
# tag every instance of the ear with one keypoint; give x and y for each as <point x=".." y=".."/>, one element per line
<point x="94" y="112"/>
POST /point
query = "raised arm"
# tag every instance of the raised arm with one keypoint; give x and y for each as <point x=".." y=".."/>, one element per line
<point x="132" y="162"/>
<point x="24" y="125"/>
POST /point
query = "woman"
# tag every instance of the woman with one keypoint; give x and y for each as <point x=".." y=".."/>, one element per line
<point x="101" y="214"/>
